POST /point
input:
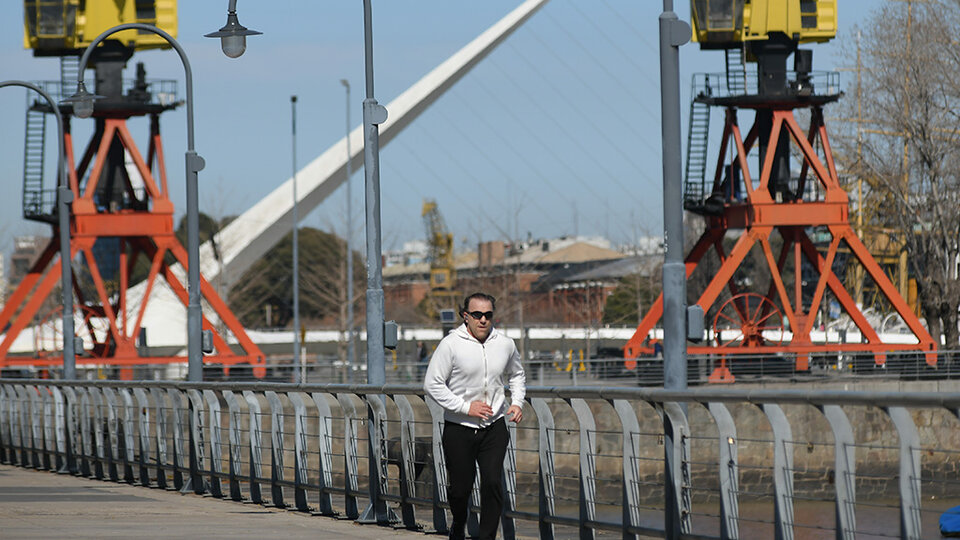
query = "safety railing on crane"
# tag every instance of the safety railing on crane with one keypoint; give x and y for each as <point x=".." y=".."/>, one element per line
<point x="752" y="464"/>
<point x="715" y="86"/>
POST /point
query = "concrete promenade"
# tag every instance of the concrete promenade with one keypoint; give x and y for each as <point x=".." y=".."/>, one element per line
<point x="40" y="504"/>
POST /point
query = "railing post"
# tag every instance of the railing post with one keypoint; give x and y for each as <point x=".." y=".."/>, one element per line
<point x="325" y="449"/>
<point x="909" y="472"/>
<point x="99" y="452"/>
<point x="728" y="470"/>
<point x="236" y="461"/>
<point x="71" y="436"/>
<point x="350" y="464"/>
<point x="545" y="469"/>
<point x="127" y="454"/>
<point x="408" y="468"/>
<point x="630" y="498"/>
<point x="86" y="438"/>
<point x="377" y="510"/>
<point x="588" y="468"/>
<point x="782" y="471"/>
<point x="276" y="449"/>
<point x="143" y="429"/>
<point x="49" y="444"/>
<point x="439" y="467"/>
<point x="256" y="446"/>
<point x="508" y="523"/>
<point x="177" y="407"/>
<point x="216" y="447"/>
<point x="36" y="435"/>
<point x="113" y="434"/>
<point x="5" y="446"/>
<point x="845" y="463"/>
<point x="17" y="415"/>
<point x="160" y="400"/>
<point x="195" y="482"/>
<point x="299" y="452"/>
<point x="677" y="469"/>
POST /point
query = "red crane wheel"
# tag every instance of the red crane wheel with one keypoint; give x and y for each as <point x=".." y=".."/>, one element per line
<point x="748" y="320"/>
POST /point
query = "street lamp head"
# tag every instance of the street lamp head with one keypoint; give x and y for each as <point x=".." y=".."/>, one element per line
<point x="345" y="82"/>
<point x="82" y="101"/>
<point x="233" y="36"/>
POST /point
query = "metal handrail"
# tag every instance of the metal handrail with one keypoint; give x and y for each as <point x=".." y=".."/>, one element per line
<point x="211" y="438"/>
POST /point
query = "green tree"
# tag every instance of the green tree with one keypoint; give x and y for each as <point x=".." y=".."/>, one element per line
<point x="631" y="299"/>
<point x="269" y="282"/>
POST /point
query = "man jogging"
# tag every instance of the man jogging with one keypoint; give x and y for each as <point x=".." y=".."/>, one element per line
<point x="466" y="377"/>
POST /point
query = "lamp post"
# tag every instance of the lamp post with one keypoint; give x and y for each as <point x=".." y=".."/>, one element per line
<point x="673" y="34"/>
<point x="233" y="35"/>
<point x="351" y="351"/>
<point x="374" y="114"/>
<point x="64" y="198"/>
<point x="300" y="372"/>
<point x="83" y="107"/>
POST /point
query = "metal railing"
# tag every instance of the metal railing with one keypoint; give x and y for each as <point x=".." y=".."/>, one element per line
<point x="752" y="463"/>
<point x="567" y="367"/>
<point x="720" y="85"/>
<point x="154" y="91"/>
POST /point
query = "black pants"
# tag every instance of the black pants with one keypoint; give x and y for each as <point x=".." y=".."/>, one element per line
<point x="466" y="448"/>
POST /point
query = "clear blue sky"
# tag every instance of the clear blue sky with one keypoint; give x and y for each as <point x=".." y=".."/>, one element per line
<point x="557" y="132"/>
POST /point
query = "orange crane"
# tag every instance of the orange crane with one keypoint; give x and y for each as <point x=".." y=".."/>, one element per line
<point x="121" y="214"/>
<point x="751" y="199"/>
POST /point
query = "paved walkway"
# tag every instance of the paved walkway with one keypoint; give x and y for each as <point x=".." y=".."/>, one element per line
<point x="40" y="504"/>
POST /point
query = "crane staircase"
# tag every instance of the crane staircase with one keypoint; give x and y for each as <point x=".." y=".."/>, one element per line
<point x="698" y="139"/>
<point x="736" y="72"/>
<point x="33" y="158"/>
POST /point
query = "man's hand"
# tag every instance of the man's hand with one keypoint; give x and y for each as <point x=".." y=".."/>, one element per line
<point x="515" y="413"/>
<point x="480" y="409"/>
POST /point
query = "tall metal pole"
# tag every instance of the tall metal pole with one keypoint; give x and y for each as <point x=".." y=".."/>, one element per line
<point x="194" y="164"/>
<point x="674" y="273"/>
<point x="351" y="346"/>
<point x="673" y="34"/>
<point x="64" y="198"/>
<point x="373" y="115"/>
<point x="298" y="370"/>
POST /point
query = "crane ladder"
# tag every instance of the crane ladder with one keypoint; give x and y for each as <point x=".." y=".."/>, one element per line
<point x="34" y="133"/>
<point x="698" y="137"/>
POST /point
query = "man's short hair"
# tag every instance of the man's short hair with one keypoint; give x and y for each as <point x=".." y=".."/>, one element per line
<point x="478" y="296"/>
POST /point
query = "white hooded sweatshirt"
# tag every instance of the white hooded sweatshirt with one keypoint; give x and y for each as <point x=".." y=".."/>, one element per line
<point x="462" y="370"/>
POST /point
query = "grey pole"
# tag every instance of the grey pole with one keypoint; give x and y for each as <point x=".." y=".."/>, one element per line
<point x="673" y="34"/>
<point x="194" y="164"/>
<point x="64" y="198"/>
<point x="351" y="350"/>
<point x="297" y="375"/>
<point x="373" y="115"/>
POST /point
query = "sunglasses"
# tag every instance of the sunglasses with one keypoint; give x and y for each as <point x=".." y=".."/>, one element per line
<point x="479" y="314"/>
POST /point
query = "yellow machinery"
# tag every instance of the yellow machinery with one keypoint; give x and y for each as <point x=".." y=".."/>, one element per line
<point x="443" y="273"/>
<point x="66" y="27"/>
<point x="726" y="24"/>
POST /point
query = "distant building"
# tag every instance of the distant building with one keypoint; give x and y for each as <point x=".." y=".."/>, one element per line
<point x="560" y="280"/>
<point x="412" y="252"/>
